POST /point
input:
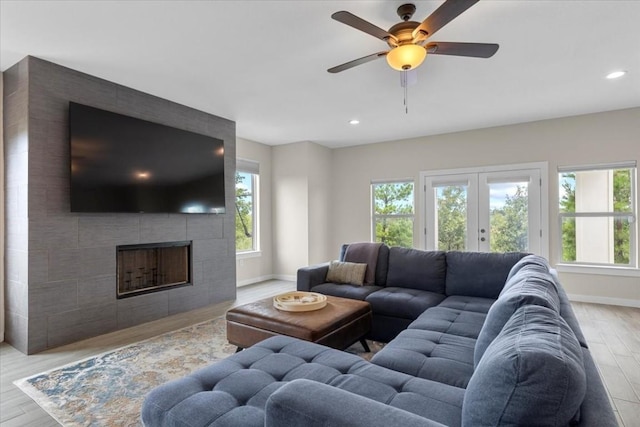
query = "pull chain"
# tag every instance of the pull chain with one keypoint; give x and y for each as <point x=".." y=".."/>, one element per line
<point x="404" y="82"/>
<point x="406" y="100"/>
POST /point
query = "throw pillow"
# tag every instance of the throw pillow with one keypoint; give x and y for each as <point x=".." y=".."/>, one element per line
<point x="351" y="273"/>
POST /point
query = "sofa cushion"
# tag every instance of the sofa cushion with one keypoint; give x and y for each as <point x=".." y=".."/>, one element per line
<point x="531" y="262"/>
<point x="346" y="272"/>
<point x="304" y="403"/>
<point x="525" y="288"/>
<point x="416" y="269"/>
<point x="345" y="291"/>
<point x="465" y="303"/>
<point x="479" y="274"/>
<point x="367" y="253"/>
<point x="450" y="321"/>
<point x="381" y="266"/>
<point x="402" y="302"/>
<point x="431" y="355"/>
<point x="439" y="402"/>
<point x="234" y="392"/>
<point x="533" y="370"/>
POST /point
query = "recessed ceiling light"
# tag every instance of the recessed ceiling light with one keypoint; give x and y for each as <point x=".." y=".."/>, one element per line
<point x="354" y="122"/>
<point x="616" y="74"/>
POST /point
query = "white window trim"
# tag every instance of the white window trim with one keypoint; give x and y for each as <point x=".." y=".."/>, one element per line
<point x="603" y="269"/>
<point x="248" y="254"/>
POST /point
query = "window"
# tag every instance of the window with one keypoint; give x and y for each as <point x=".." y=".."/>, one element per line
<point x="487" y="209"/>
<point x="597" y="215"/>
<point x="393" y="213"/>
<point x="247" y="206"/>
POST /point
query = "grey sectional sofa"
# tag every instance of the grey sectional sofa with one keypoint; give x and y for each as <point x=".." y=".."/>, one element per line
<point x="484" y="340"/>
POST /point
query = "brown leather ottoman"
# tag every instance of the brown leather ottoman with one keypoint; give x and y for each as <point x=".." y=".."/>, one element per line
<point x="339" y="324"/>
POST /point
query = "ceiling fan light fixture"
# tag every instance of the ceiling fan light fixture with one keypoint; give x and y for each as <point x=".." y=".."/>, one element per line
<point x="406" y="57"/>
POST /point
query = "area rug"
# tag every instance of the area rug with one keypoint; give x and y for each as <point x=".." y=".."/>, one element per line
<point x="108" y="389"/>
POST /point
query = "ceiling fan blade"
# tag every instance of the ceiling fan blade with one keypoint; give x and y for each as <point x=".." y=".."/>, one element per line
<point x="358" y="61"/>
<point x="476" y="50"/>
<point x="362" y="25"/>
<point x="447" y="12"/>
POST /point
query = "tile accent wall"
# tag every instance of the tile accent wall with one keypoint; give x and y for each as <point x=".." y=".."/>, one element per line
<point x="61" y="266"/>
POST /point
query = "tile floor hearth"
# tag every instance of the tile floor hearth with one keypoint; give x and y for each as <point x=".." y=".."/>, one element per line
<point x="613" y="334"/>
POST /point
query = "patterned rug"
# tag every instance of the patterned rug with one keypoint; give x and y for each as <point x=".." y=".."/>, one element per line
<point x="108" y="389"/>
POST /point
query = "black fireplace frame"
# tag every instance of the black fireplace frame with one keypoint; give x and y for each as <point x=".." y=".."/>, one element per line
<point x="189" y="282"/>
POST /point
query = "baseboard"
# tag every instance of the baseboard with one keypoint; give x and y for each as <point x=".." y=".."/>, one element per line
<point x="259" y="279"/>
<point x="605" y="300"/>
<point x="253" y="280"/>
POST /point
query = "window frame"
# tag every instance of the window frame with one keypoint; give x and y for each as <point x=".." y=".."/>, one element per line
<point x="251" y="168"/>
<point x="472" y="175"/>
<point x="375" y="216"/>
<point x="631" y="269"/>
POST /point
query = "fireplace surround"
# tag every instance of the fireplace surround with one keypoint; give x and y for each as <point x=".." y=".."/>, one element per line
<point x="61" y="265"/>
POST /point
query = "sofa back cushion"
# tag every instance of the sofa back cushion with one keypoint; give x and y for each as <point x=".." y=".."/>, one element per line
<point x="532" y="372"/>
<point x="381" y="266"/>
<point x="526" y="287"/>
<point x="530" y="262"/>
<point x="538" y="263"/>
<point x="416" y="269"/>
<point x="479" y="274"/>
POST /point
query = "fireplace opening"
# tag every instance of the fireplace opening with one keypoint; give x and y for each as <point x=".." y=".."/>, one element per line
<point x="152" y="267"/>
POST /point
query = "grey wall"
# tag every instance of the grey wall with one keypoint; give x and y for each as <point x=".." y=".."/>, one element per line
<point x="61" y="266"/>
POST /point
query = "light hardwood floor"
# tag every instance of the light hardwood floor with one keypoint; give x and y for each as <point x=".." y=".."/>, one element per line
<point x="613" y="334"/>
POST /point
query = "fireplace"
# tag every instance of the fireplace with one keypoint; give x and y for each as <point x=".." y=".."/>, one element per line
<point x="152" y="267"/>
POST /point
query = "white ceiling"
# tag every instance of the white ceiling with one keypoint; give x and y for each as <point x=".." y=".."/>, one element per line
<point x="263" y="63"/>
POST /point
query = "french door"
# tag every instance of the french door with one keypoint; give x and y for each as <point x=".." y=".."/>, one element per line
<point x="486" y="210"/>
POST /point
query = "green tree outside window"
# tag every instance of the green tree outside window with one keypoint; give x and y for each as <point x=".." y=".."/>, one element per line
<point x="452" y="217"/>
<point x="244" y="212"/>
<point x="393" y="213"/>
<point x="509" y="223"/>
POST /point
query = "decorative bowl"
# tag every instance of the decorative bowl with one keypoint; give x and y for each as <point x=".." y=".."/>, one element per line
<point x="299" y="301"/>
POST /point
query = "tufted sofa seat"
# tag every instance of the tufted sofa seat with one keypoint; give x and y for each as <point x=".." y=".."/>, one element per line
<point x="236" y="391"/>
<point x="465" y="303"/>
<point x="436" y="356"/>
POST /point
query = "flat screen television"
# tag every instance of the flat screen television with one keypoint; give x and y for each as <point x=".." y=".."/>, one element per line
<point x="124" y="164"/>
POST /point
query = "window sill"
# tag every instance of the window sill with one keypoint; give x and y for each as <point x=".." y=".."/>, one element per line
<point x="248" y="254"/>
<point x="598" y="270"/>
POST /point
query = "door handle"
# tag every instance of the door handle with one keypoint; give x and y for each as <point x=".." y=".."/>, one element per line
<point x="482" y="239"/>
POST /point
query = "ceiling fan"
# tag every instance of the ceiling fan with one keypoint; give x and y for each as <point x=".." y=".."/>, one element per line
<point x="408" y="39"/>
